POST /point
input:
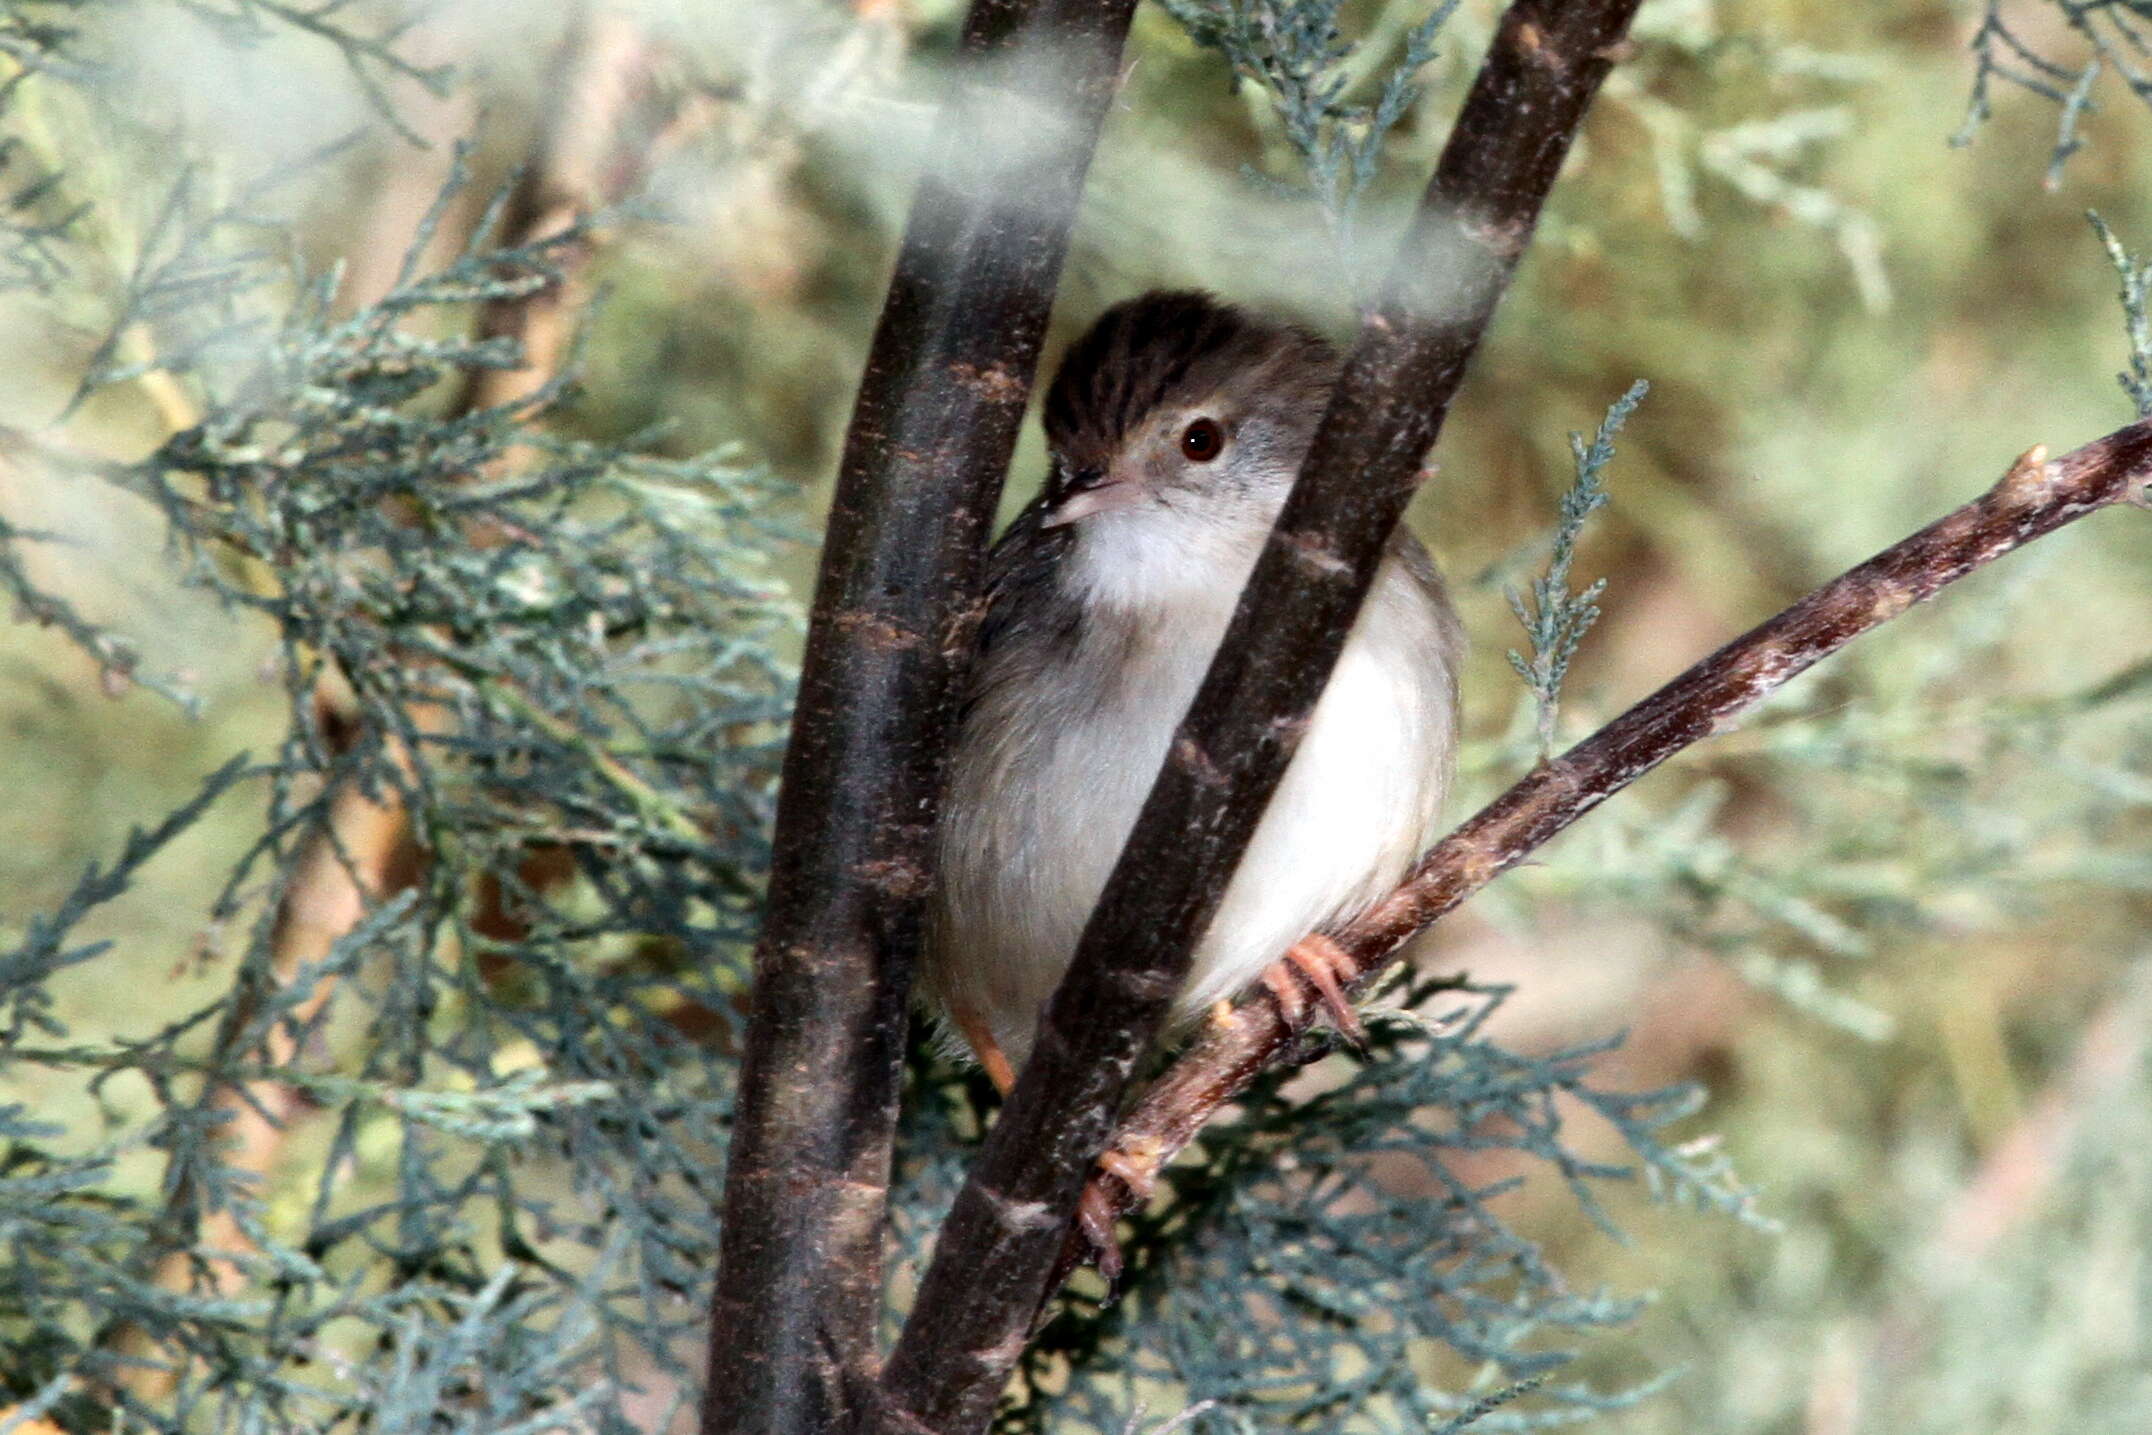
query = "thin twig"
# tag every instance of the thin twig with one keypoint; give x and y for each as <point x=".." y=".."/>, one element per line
<point x="995" y="1256"/>
<point x="2034" y="498"/>
<point x="793" y="1320"/>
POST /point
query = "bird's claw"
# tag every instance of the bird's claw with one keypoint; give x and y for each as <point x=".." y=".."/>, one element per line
<point x="1137" y="1173"/>
<point x="1094" y="1219"/>
<point x="1326" y="966"/>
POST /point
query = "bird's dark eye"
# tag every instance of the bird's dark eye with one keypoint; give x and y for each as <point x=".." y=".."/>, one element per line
<point x="1202" y="441"/>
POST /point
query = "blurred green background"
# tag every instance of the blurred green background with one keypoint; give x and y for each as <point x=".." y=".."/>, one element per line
<point x="1897" y="926"/>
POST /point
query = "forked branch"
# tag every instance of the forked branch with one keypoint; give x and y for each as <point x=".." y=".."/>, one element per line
<point x="994" y="1260"/>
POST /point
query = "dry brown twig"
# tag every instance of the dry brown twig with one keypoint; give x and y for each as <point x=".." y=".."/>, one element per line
<point x="2034" y="498"/>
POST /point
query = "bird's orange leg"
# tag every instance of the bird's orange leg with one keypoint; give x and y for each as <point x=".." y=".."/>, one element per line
<point x="1326" y="966"/>
<point x="980" y="1037"/>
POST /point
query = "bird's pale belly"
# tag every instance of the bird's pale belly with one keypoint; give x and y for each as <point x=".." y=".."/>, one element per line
<point x="1346" y="821"/>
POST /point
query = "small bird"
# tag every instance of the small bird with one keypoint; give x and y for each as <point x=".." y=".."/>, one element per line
<point x="1176" y="426"/>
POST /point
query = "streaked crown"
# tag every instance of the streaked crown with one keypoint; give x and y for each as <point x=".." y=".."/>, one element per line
<point x="1179" y="347"/>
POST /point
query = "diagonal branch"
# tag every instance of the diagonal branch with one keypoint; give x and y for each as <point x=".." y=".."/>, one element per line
<point x="996" y="1254"/>
<point x="2034" y="498"/>
<point x="898" y="598"/>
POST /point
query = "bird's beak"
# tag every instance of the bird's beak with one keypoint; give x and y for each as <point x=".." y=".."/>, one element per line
<point x="1090" y="493"/>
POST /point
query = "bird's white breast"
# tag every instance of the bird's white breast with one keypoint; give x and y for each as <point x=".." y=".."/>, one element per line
<point x="1055" y="762"/>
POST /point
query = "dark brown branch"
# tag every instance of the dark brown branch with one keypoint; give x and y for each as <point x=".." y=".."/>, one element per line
<point x="996" y="1254"/>
<point x="2034" y="498"/>
<point x="899" y="595"/>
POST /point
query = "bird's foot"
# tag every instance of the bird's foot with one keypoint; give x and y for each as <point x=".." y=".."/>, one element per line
<point x="1094" y="1221"/>
<point x="1136" y="1171"/>
<point x="1326" y="967"/>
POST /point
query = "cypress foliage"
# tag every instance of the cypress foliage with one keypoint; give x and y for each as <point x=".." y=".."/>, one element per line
<point x="427" y="1129"/>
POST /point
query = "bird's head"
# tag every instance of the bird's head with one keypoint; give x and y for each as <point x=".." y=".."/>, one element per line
<point x="1177" y="407"/>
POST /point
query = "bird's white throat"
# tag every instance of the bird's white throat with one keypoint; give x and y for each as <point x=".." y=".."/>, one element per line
<point x="1161" y="558"/>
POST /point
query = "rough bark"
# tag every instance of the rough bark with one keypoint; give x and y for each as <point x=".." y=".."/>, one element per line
<point x="2034" y="498"/>
<point x="889" y="641"/>
<point x="997" y="1253"/>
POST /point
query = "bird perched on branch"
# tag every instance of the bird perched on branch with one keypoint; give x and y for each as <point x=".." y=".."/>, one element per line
<point x="1176" y="427"/>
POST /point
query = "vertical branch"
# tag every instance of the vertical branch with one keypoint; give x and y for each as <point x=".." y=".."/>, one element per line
<point x="995" y="1257"/>
<point x="889" y="639"/>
